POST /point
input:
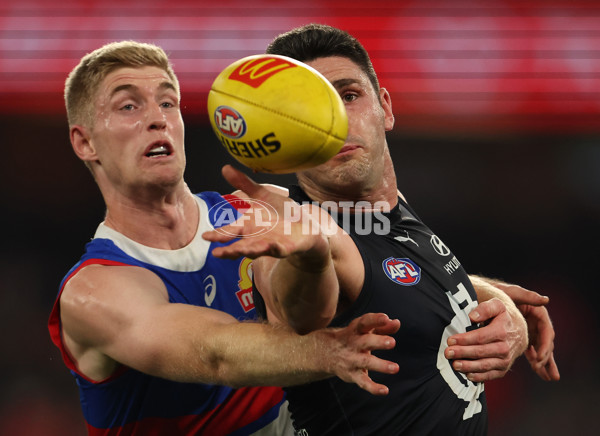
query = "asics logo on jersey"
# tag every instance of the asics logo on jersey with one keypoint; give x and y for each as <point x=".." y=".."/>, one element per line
<point x="210" y="289"/>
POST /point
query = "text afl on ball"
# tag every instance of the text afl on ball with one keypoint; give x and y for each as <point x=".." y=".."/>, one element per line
<point x="275" y="114"/>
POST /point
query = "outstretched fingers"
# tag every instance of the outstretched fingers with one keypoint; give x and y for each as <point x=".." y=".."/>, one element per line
<point x="244" y="248"/>
<point x="360" y="374"/>
<point x="375" y="329"/>
<point x="540" y="352"/>
<point x="547" y="369"/>
<point x="223" y="234"/>
<point x="363" y="335"/>
<point x="521" y="295"/>
<point x="544" y="342"/>
<point x="379" y="323"/>
<point x="365" y="382"/>
<point x="241" y="181"/>
<point x="251" y="248"/>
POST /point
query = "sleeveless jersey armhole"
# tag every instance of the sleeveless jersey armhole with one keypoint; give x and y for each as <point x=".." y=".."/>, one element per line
<point x="55" y="324"/>
<point x="364" y="297"/>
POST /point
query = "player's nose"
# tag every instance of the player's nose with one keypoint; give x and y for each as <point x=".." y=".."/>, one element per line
<point x="157" y="119"/>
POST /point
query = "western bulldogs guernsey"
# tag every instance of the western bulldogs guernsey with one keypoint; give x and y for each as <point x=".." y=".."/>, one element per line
<point x="410" y="274"/>
<point x="130" y="402"/>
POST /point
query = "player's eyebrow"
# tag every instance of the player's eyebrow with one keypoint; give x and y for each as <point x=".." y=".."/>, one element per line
<point x="341" y="83"/>
<point x="122" y="88"/>
<point x="130" y="87"/>
<point x="167" y="85"/>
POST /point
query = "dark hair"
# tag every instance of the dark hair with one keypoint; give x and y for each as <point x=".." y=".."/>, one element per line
<point x="314" y="41"/>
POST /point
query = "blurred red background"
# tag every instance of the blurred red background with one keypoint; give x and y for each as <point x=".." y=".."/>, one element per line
<point x="496" y="144"/>
<point x="527" y="65"/>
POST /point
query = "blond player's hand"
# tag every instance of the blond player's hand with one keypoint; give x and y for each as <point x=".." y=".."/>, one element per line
<point x="349" y="350"/>
<point x="290" y="230"/>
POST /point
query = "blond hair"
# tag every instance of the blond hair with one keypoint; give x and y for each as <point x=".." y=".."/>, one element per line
<point x="83" y="82"/>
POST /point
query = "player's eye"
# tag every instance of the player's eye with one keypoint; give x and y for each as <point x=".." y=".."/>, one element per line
<point x="349" y="97"/>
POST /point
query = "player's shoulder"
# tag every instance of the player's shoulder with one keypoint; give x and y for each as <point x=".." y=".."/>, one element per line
<point x="108" y="282"/>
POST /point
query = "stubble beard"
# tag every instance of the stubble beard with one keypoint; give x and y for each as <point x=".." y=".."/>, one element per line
<point x="352" y="175"/>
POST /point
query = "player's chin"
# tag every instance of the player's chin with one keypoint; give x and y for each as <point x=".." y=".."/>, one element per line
<point x="164" y="179"/>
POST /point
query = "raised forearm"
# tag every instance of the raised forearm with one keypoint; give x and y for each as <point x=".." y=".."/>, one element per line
<point x="305" y="291"/>
<point x="300" y="289"/>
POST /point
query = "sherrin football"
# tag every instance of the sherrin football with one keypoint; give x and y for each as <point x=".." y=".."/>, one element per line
<point x="277" y="115"/>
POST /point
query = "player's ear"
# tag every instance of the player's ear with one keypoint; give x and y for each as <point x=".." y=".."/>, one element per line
<point x="81" y="143"/>
<point x="386" y="104"/>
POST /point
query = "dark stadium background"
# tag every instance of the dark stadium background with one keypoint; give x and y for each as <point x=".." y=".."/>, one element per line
<point x="496" y="145"/>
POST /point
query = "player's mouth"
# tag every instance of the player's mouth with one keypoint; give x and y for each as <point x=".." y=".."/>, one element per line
<point x="347" y="149"/>
<point x="159" y="149"/>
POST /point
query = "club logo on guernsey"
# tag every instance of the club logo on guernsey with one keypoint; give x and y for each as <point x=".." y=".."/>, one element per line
<point x="256" y="71"/>
<point x="244" y="295"/>
<point x="402" y="271"/>
<point x="230" y="122"/>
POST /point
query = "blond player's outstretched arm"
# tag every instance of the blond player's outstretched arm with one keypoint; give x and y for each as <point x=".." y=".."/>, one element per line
<point x="115" y="315"/>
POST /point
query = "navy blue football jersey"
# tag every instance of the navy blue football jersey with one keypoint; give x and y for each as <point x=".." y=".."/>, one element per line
<point x="411" y="275"/>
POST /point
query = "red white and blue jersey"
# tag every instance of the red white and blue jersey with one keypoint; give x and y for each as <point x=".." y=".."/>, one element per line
<point x="133" y="403"/>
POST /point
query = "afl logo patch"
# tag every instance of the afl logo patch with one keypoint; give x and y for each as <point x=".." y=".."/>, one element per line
<point x="230" y="122"/>
<point x="402" y="271"/>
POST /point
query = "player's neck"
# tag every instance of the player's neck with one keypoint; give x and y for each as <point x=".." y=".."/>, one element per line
<point x="168" y="222"/>
<point x="382" y="195"/>
<point x="377" y="199"/>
